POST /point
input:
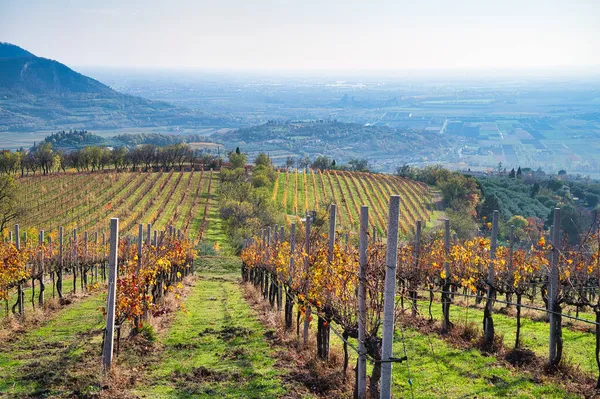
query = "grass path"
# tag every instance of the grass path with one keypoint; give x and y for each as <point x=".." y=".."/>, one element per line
<point x="216" y="348"/>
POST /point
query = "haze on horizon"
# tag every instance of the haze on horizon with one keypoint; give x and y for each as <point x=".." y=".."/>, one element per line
<point x="335" y="35"/>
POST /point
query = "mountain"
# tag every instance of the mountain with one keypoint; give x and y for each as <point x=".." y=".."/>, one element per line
<point x="38" y="93"/>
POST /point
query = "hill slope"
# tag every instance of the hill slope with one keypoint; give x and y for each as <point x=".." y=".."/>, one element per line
<point x="38" y="93"/>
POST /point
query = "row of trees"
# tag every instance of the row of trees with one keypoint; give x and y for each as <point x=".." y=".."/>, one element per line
<point x="45" y="159"/>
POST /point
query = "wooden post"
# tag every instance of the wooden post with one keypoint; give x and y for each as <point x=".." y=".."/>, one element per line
<point x="446" y="287"/>
<point x="155" y="238"/>
<point x="361" y="383"/>
<point x="85" y="260"/>
<point x="107" y="351"/>
<point x="488" y="321"/>
<point x="289" y="304"/>
<point x="61" y="265"/>
<point x="555" y="333"/>
<point x="75" y="262"/>
<point x="140" y="243"/>
<point x="332" y="214"/>
<point x="306" y="265"/>
<point x="148" y="233"/>
<point x="389" y="295"/>
<point x="374" y="238"/>
<point x="323" y="329"/>
<point x="41" y="278"/>
<point x="20" y="293"/>
<point x="417" y="255"/>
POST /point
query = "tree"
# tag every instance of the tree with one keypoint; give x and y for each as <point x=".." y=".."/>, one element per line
<point x="262" y="160"/>
<point x="592" y="199"/>
<point x="237" y="150"/>
<point x="289" y="162"/>
<point x="359" y="165"/>
<point x="404" y="171"/>
<point x="519" y="173"/>
<point x="535" y="189"/>
<point x="9" y="202"/>
<point x="304" y="162"/>
<point x="512" y="173"/>
<point x="322" y="162"/>
<point x="237" y="160"/>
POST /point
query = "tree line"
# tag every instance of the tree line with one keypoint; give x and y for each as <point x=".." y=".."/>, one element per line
<point x="46" y="159"/>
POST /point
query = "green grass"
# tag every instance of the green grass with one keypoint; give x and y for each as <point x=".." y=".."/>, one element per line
<point x="439" y="370"/>
<point x="578" y="347"/>
<point x="48" y="361"/>
<point x="220" y="335"/>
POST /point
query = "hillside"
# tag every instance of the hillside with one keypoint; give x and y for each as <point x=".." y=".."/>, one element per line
<point x="38" y="93"/>
<point x="298" y="193"/>
<point x="385" y="148"/>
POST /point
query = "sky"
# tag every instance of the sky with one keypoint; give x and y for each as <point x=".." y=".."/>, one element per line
<point x="308" y="35"/>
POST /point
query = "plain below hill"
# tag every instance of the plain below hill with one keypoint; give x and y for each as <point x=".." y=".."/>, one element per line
<point x="38" y="93"/>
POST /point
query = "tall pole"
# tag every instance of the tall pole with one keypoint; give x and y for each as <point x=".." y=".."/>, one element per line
<point x="553" y="289"/>
<point x="107" y="351"/>
<point x="488" y="320"/>
<point x="306" y="265"/>
<point x="332" y="213"/>
<point x="389" y="295"/>
<point x="363" y="244"/>
<point x="20" y="292"/>
<point x="446" y="287"/>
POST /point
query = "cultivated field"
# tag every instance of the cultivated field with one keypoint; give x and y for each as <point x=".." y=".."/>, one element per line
<point x="183" y="200"/>
<point x="300" y="192"/>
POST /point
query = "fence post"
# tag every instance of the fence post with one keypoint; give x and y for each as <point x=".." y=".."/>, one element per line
<point x="389" y="295"/>
<point x="488" y="321"/>
<point x="446" y="287"/>
<point x="306" y="265"/>
<point x="361" y="383"/>
<point x="555" y="320"/>
<point x="148" y="233"/>
<point x="107" y="351"/>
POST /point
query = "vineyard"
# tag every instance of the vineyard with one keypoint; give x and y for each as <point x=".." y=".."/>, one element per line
<point x="359" y="292"/>
<point x="184" y="200"/>
<point x="300" y="192"/>
<point x="354" y="286"/>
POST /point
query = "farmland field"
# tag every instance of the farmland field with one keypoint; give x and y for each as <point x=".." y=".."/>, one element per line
<point x="300" y="192"/>
<point x="183" y="200"/>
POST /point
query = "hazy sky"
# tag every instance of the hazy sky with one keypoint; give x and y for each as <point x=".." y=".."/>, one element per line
<point x="307" y="34"/>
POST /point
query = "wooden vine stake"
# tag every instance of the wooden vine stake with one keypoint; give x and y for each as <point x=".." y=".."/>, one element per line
<point x="109" y="332"/>
<point x="361" y="383"/>
<point x="323" y="329"/>
<point x="446" y="287"/>
<point x="20" y="292"/>
<point x="306" y="265"/>
<point x="553" y="306"/>
<point x="389" y="295"/>
<point x="488" y="321"/>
